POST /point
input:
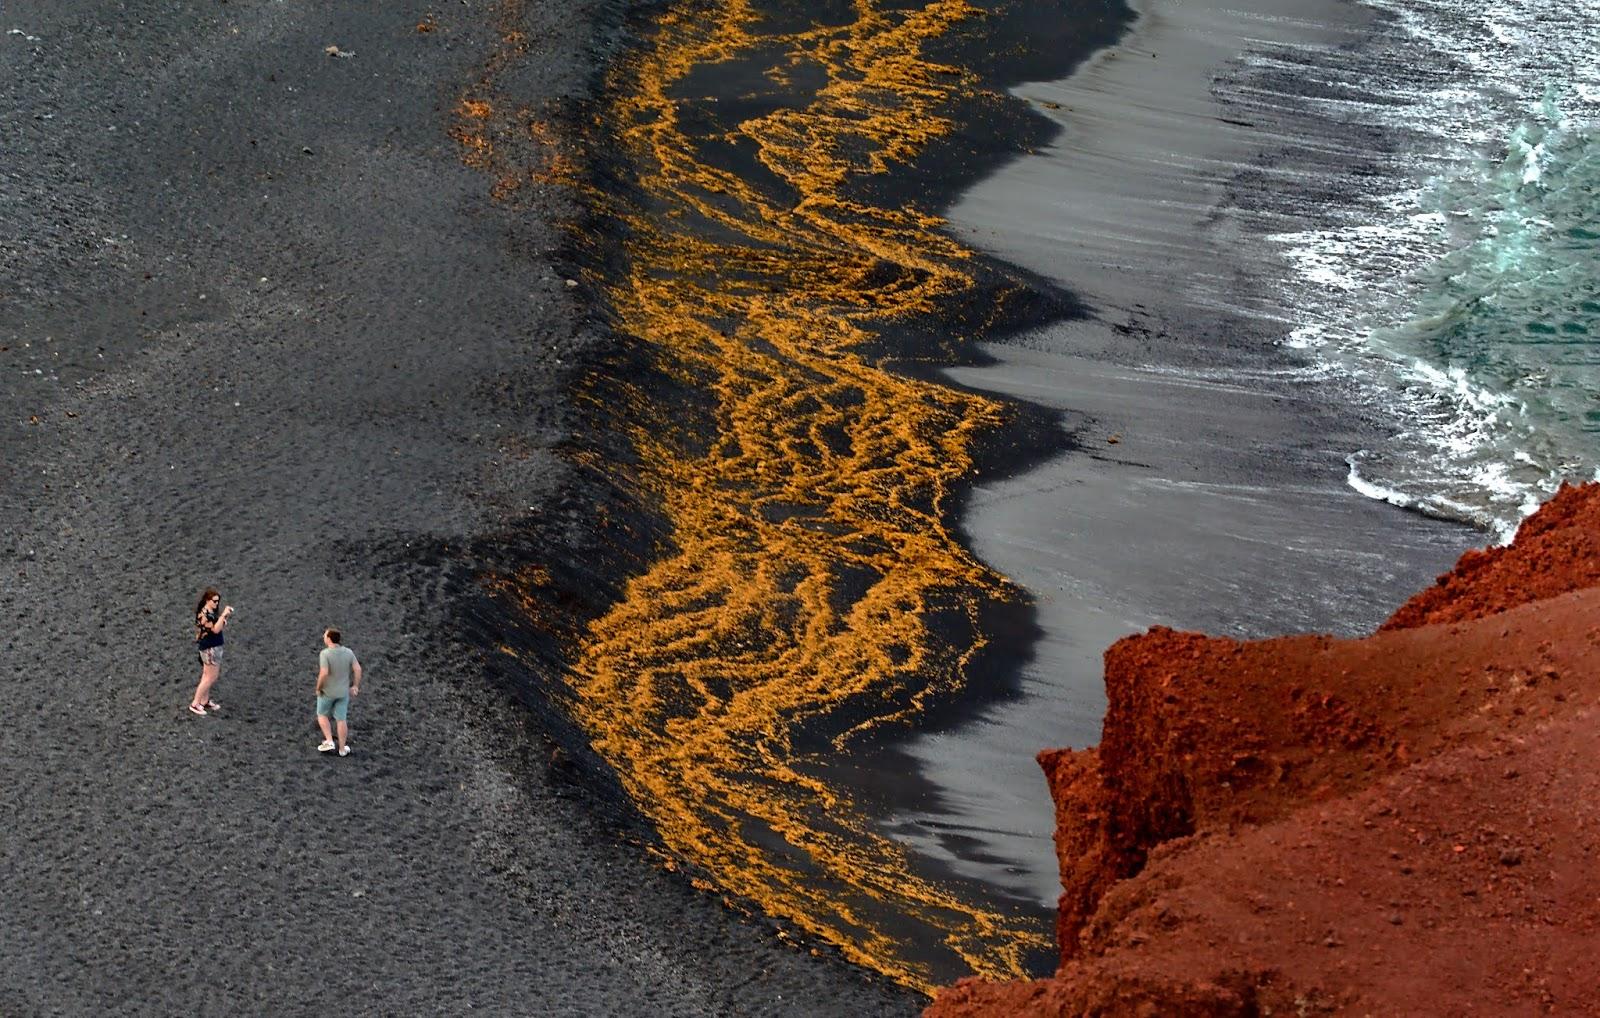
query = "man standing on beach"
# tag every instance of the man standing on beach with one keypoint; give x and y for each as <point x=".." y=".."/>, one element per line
<point x="338" y="679"/>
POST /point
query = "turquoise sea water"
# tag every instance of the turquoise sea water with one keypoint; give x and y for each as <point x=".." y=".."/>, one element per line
<point x="1458" y="289"/>
<point x="1502" y="331"/>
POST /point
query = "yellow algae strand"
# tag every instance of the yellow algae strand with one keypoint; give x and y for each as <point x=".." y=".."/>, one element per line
<point x="810" y="553"/>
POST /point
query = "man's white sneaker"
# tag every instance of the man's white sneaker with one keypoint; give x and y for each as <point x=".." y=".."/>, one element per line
<point x="326" y="747"/>
<point x="344" y="750"/>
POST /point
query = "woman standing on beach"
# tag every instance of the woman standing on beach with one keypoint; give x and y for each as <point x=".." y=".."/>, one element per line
<point x="208" y="625"/>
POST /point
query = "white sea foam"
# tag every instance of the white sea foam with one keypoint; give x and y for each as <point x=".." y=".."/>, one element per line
<point x="1372" y="489"/>
<point x="1485" y="108"/>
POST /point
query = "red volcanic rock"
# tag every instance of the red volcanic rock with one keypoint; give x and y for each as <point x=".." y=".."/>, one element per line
<point x="1557" y="550"/>
<point x="1407" y="823"/>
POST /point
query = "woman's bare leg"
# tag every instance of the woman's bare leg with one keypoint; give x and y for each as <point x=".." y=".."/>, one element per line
<point x="208" y="677"/>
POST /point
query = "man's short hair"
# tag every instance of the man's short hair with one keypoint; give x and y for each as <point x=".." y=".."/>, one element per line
<point x="333" y="634"/>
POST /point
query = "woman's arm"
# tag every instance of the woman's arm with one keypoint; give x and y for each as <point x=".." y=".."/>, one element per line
<point x="222" y="620"/>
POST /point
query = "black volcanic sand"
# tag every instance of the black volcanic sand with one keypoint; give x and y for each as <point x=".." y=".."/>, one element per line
<point x="1005" y="45"/>
<point x="261" y="329"/>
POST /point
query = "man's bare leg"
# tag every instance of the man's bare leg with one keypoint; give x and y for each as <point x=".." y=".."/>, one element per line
<point x="344" y="734"/>
<point x="327" y="733"/>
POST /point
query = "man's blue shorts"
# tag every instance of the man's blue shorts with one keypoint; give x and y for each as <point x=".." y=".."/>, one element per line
<point x="337" y="707"/>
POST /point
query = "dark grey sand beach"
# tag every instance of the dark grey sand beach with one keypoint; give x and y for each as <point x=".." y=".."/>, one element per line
<point x="259" y="328"/>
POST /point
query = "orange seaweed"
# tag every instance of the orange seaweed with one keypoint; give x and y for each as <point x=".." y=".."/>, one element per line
<point x="812" y="571"/>
<point x="811" y="548"/>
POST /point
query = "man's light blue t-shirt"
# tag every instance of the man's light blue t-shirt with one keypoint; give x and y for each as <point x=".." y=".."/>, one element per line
<point x="338" y="660"/>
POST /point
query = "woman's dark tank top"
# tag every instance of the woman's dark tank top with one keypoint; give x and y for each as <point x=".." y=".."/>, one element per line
<point x="204" y="638"/>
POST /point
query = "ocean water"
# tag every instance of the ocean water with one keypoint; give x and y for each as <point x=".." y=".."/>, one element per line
<point x="1443" y="243"/>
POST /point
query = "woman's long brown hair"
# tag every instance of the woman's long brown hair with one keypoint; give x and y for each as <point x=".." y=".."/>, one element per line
<point x="205" y="596"/>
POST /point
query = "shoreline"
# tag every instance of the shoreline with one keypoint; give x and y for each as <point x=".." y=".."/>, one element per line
<point x="1208" y="467"/>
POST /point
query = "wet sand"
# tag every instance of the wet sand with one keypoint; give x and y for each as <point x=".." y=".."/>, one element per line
<point x="259" y="328"/>
<point x="1208" y="487"/>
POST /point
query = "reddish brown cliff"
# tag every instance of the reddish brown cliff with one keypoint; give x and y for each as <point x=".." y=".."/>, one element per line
<point x="1403" y="824"/>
